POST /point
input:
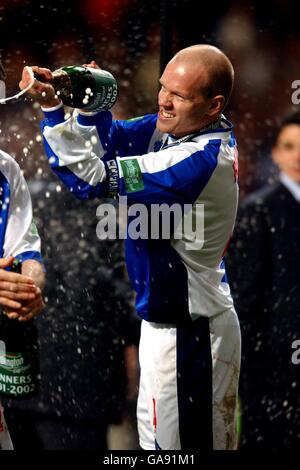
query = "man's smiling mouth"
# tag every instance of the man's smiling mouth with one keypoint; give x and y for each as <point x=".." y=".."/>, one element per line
<point x="165" y="114"/>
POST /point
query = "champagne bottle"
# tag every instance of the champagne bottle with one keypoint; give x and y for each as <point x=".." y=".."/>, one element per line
<point x="19" y="354"/>
<point x="84" y="87"/>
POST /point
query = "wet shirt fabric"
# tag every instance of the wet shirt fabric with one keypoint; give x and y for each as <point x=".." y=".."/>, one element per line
<point x="18" y="233"/>
<point x="176" y="279"/>
<point x="182" y="295"/>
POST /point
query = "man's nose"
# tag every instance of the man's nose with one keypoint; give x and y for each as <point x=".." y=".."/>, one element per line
<point x="164" y="98"/>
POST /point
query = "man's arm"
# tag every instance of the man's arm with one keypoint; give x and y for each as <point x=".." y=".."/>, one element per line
<point x="89" y="154"/>
<point x="20" y="294"/>
<point x="173" y="175"/>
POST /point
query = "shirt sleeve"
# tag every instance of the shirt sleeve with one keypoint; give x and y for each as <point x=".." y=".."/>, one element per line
<point x="21" y="236"/>
<point x="76" y="148"/>
<point x="89" y="155"/>
<point x="173" y="175"/>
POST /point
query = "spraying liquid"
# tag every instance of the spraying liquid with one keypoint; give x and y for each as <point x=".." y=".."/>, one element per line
<point x="20" y="93"/>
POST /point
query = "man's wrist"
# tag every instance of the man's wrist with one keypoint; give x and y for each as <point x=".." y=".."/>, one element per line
<point x="53" y="107"/>
<point x="87" y="113"/>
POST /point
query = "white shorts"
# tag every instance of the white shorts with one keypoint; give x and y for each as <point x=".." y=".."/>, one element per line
<point x="5" y="440"/>
<point x="189" y="384"/>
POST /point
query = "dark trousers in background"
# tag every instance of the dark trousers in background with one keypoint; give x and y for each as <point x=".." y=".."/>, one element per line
<point x="41" y="432"/>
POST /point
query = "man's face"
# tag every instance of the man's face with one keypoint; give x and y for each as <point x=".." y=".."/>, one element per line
<point x="286" y="153"/>
<point x="182" y="107"/>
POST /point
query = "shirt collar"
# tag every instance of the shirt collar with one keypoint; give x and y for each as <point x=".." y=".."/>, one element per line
<point x="172" y="140"/>
<point x="291" y="185"/>
<point x="213" y="125"/>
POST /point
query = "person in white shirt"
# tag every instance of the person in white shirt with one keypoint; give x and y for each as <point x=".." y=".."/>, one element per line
<point x="20" y="294"/>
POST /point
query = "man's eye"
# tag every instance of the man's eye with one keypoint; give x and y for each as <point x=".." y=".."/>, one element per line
<point x="288" y="146"/>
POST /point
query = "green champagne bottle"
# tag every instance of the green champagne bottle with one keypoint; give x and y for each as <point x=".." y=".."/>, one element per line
<point x="84" y="87"/>
<point x="19" y="355"/>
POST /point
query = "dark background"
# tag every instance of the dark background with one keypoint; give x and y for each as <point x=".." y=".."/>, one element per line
<point x="261" y="38"/>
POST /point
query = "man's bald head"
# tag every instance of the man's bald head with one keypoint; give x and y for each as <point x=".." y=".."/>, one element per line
<point x="212" y="62"/>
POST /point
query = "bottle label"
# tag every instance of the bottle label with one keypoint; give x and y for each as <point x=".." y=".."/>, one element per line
<point x="105" y="90"/>
<point x="16" y="375"/>
<point x="105" y="99"/>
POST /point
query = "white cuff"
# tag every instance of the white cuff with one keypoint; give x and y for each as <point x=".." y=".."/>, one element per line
<point x="87" y="113"/>
<point x="53" y="108"/>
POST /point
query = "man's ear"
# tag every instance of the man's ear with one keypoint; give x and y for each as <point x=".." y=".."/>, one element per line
<point x="216" y="105"/>
<point x="2" y="89"/>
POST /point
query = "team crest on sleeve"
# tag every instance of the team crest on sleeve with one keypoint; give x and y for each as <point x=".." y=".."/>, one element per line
<point x="132" y="175"/>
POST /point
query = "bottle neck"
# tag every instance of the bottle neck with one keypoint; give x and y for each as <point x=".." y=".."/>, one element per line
<point x="60" y="79"/>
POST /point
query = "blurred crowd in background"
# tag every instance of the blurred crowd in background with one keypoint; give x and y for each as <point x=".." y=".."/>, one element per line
<point x="262" y="39"/>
